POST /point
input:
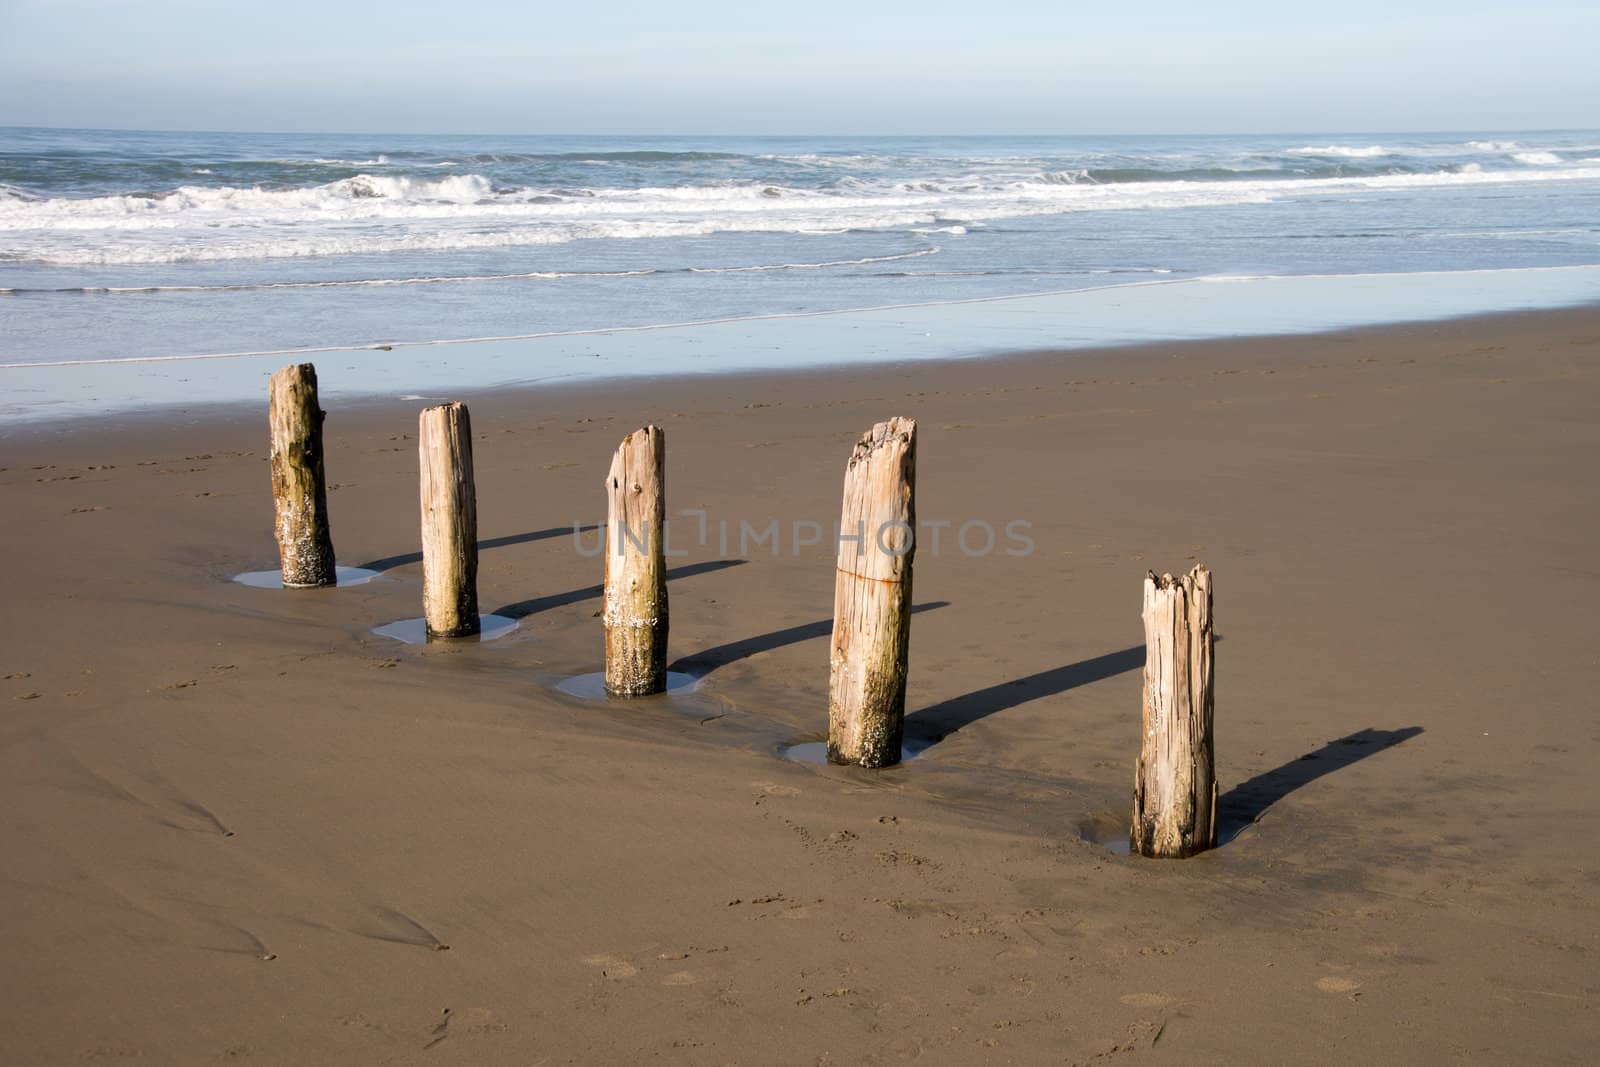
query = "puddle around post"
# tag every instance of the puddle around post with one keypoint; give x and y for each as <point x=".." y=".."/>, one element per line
<point x="593" y="686"/>
<point x="415" y="631"/>
<point x="274" y="579"/>
<point x="1108" y="831"/>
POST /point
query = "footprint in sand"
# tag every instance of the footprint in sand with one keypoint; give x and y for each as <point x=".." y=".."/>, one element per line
<point x="1145" y="1000"/>
<point x="612" y="966"/>
<point x="469" y="1021"/>
<point x="1335" y="984"/>
<point x="677" y="978"/>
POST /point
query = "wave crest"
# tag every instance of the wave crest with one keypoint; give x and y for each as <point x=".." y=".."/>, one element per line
<point x="378" y="213"/>
<point x="1339" y="151"/>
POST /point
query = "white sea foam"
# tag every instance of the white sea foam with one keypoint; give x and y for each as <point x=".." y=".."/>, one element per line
<point x="380" y="161"/>
<point x="348" y="282"/>
<point x="1340" y="151"/>
<point x="1536" y="158"/>
<point x="1067" y="177"/>
<point x="833" y="161"/>
<point x="862" y="262"/>
<point x="374" y="213"/>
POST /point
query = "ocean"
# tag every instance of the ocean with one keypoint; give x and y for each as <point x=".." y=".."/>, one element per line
<point x="120" y="245"/>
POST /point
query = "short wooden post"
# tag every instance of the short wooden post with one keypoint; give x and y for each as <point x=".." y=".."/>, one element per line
<point x="449" y="521"/>
<point x="299" y="489"/>
<point x="872" y="598"/>
<point x="636" y="567"/>
<point x="1175" y="786"/>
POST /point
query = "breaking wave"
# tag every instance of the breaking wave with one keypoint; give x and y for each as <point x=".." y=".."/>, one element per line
<point x="372" y="213"/>
<point x="1340" y="151"/>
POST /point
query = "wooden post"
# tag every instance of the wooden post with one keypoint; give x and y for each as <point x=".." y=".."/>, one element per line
<point x="449" y="521"/>
<point x="299" y="490"/>
<point x="872" y="598"/>
<point x="1175" y="786"/>
<point x="636" y="566"/>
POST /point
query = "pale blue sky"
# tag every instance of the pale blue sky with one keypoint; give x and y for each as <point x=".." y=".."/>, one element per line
<point x="807" y="66"/>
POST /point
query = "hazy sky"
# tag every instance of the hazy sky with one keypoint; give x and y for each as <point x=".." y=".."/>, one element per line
<point x="812" y="66"/>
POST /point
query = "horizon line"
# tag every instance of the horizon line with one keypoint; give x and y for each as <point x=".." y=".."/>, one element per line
<point x="863" y="136"/>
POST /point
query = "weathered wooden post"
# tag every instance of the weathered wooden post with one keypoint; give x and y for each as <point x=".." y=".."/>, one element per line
<point x="299" y="490"/>
<point x="636" y="567"/>
<point x="449" y="521"/>
<point x="1175" y="786"/>
<point x="872" y="598"/>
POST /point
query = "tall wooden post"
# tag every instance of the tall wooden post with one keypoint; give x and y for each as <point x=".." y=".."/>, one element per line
<point x="872" y="598"/>
<point x="1175" y="786"/>
<point x="299" y="489"/>
<point x="449" y="521"/>
<point x="636" y="567"/>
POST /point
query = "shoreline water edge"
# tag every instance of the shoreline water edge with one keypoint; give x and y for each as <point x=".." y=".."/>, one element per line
<point x="1110" y="316"/>
<point x="586" y="257"/>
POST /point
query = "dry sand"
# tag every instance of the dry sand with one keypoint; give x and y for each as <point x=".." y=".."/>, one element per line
<point x="238" y="825"/>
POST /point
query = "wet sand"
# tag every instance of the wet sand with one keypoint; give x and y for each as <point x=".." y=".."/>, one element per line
<point x="240" y="825"/>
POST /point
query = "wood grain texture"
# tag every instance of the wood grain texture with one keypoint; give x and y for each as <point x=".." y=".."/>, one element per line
<point x="872" y="598"/>
<point x="449" y="521"/>
<point x="1175" y="786"/>
<point x="299" y="487"/>
<point x="636" y="570"/>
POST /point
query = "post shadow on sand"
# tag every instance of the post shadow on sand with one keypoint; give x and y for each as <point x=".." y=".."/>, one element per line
<point x="388" y="563"/>
<point x="935" y="723"/>
<point x="1248" y="801"/>
<point x="704" y="662"/>
<point x="523" y="608"/>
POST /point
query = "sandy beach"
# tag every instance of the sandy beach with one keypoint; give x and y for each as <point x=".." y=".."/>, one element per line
<point x="241" y="826"/>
